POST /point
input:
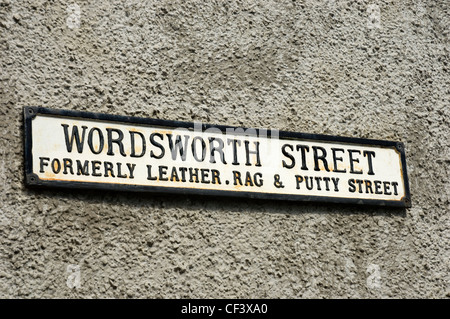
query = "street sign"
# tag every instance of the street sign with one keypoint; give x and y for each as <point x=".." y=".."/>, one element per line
<point x="101" y="151"/>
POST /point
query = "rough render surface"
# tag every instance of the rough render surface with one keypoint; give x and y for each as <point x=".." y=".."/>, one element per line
<point x="318" y="67"/>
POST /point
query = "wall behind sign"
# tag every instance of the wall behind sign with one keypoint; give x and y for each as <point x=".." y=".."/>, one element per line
<point x="353" y="69"/>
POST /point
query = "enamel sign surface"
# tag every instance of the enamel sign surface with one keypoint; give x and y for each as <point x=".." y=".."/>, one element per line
<point x="99" y="151"/>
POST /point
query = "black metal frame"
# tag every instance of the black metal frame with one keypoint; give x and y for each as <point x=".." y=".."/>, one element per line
<point x="33" y="180"/>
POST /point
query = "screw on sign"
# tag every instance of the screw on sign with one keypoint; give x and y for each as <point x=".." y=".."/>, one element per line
<point x="111" y="152"/>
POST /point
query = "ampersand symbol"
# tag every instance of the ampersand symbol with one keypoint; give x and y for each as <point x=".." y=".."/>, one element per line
<point x="277" y="182"/>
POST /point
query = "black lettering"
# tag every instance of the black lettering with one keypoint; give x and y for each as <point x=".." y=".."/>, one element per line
<point x="237" y="177"/>
<point x="56" y="166"/>
<point x="234" y="142"/>
<point x="299" y="180"/>
<point x="178" y="148"/>
<point x="387" y="188"/>
<point x="285" y="153"/>
<point x="75" y="136"/>
<point x="336" y="159"/>
<point x="42" y="163"/>
<point x="304" y="149"/>
<point x="248" y="152"/>
<point x="133" y="145"/>
<point x="192" y="175"/>
<point x="204" y="175"/>
<point x="258" y="179"/>
<point x="117" y="141"/>
<point x="352" y="160"/>
<point x="109" y="169"/>
<point x="67" y="165"/>
<point x="327" y="180"/>
<point x="183" y="171"/>
<point x="162" y="173"/>
<point x="149" y="174"/>
<point x="359" y="182"/>
<point x="308" y="185"/>
<point x="215" y="176"/>
<point x="119" y="171"/>
<point x="96" y="167"/>
<point x="155" y="143"/>
<point x="378" y="187"/>
<point x="351" y="184"/>
<point x="370" y="155"/>
<point x="131" y="168"/>
<point x="368" y="186"/>
<point x="318" y="179"/>
<point x="174" y="175"/>
<point x="194" y="149"/>
<point x="216" y="149"/>
<point x="336" y="183"/>
<point x="321" y="158"/>
<point x="248" y="179"/>
<point x="395" y="184"/>
<point x="83" y="169"/>
<point x="100" y="139"/>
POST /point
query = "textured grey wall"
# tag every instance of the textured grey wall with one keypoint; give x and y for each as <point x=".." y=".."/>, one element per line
<point x="327" y="67"/>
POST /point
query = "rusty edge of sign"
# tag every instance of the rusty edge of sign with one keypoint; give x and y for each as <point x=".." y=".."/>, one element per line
<point x="32" y="179"/>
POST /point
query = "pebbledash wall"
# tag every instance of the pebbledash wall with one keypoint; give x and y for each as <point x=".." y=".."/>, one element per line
<point x="371" y="69"/>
